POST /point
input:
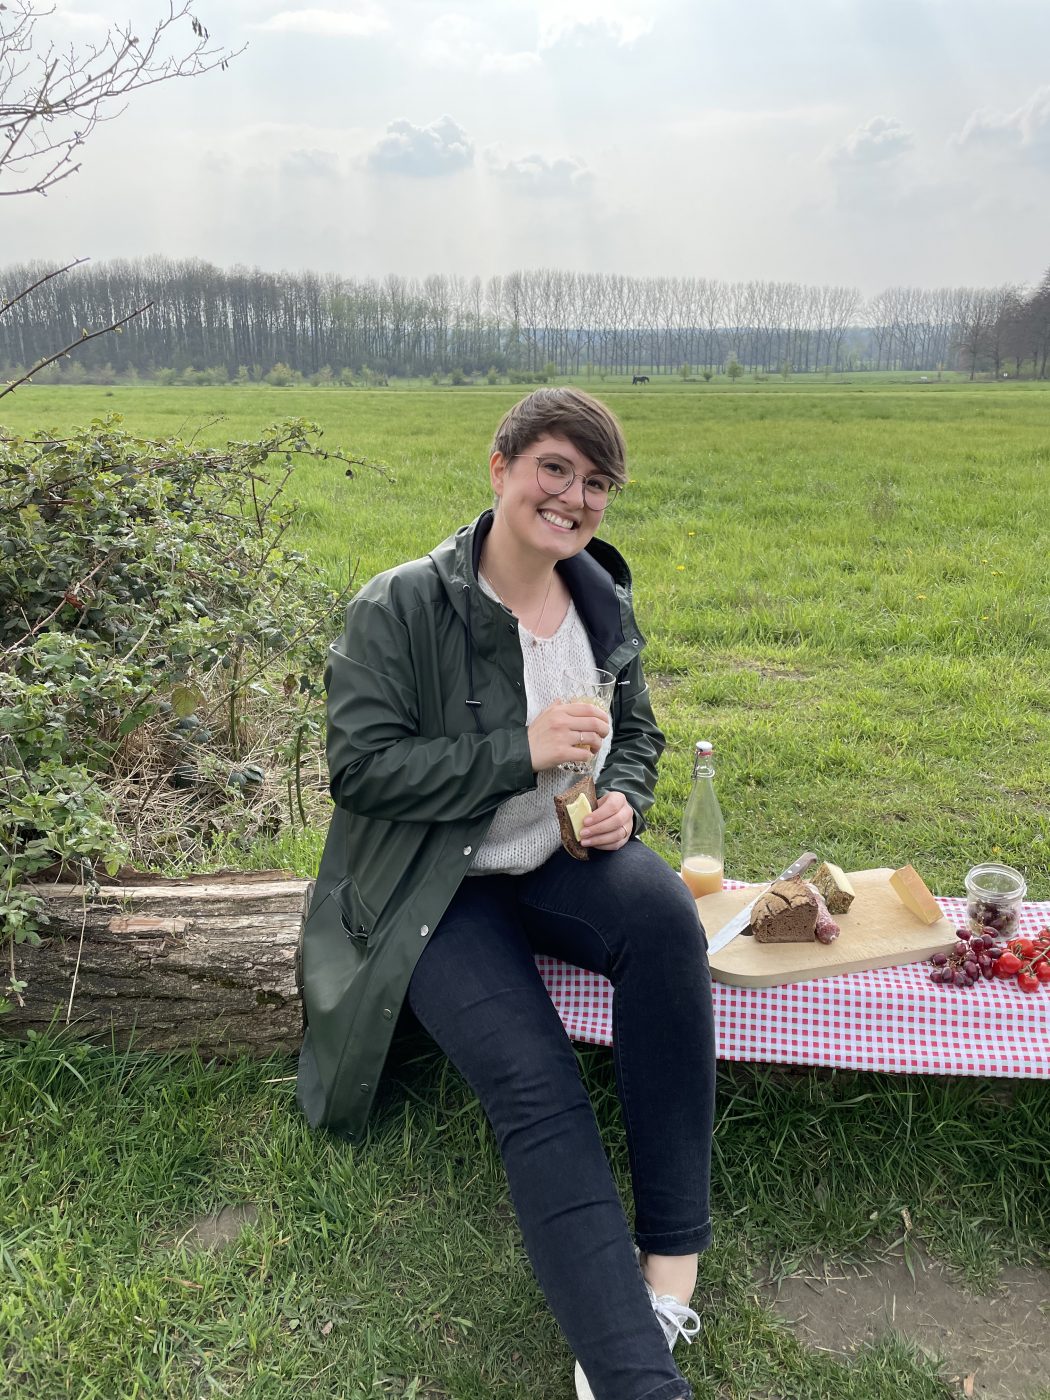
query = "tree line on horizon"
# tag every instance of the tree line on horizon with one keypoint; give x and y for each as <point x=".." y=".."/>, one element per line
<point x="249" y="324"/>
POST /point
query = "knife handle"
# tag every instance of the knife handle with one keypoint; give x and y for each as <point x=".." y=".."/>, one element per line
<point x="805" y="860"/>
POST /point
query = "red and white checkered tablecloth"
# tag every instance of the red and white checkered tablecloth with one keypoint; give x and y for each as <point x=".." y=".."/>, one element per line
<point x="892" y="1019"/>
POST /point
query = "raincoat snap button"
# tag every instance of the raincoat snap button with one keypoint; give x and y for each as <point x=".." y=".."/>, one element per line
<point x="424" y="931"/>
<point x="467" y="850"/>
<point x="364" y="1088"/>
<point x="387" y="1013"/>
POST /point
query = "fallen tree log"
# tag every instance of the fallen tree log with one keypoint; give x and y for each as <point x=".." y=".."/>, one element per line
<point x="208" y="962"/>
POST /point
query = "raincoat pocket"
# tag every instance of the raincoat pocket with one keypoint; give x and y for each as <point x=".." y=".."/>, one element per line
<point x="355" y="916"/>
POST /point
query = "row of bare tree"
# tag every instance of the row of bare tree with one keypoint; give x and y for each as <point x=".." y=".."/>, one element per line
<point x="201" y="316"/>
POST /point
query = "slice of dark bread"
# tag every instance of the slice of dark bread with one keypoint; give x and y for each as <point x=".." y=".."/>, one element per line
<point x="786" y="913"/>
<point x="561" y="802"/>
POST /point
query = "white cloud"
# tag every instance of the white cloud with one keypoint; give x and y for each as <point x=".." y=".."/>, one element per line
<point x="1025" y="131"/>
<point x="454" y="41"/>
<point x="355" y="21"/>
<point x="590" y="19"/>
<point x="875" y="143"/>
<point x="438" y="149"/>
<point x="304" y="164"/>
<point x="534" y="174"/>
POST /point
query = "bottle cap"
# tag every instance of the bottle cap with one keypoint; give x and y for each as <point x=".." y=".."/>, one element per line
<point x="703" y="746"/>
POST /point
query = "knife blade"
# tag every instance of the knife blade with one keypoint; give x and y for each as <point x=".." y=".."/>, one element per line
<point x="740" y="921"/>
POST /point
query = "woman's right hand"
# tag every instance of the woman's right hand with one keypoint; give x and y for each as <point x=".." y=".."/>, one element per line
<point x="569" y="731"/>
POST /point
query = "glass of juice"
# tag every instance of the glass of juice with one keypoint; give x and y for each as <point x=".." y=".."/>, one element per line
<point x="594" y="687"/>
<point x="703" y="875"/>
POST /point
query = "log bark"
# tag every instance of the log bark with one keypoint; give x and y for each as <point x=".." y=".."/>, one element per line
<point x="209" y="963"/>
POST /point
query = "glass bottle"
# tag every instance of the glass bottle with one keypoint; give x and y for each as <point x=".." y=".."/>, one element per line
<point x="702" y="828"/>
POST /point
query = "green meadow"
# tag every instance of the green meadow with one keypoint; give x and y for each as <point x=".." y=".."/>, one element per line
<point x="845" y="588"/>
<point x="844" y="585"/>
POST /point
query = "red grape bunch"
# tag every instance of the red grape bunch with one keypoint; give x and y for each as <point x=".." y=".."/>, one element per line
<point x="980" y="954"/>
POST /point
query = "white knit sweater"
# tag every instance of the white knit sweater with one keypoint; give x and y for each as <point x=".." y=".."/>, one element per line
<point x="524" y="832"/>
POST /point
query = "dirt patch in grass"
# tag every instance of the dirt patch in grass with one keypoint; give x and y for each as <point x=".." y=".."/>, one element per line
<point x="769" y="673"/>
<point x="997" y="1341"/>
<point x="218" y="1229"/>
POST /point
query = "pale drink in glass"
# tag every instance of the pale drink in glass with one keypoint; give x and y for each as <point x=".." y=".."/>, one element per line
<point x="703" y="875"/>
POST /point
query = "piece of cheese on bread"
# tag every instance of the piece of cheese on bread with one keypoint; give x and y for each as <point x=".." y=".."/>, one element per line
<point x="577" y="811"/>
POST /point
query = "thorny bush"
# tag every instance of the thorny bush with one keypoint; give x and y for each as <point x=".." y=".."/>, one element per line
<point x="161" y="653"/>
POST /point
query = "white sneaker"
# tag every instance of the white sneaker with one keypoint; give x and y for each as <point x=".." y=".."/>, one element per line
<point x="583" y="1390"/>
<point x="677" y="1320"/>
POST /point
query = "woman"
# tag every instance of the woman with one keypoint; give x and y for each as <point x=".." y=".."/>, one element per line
<point x="443" y="876"/>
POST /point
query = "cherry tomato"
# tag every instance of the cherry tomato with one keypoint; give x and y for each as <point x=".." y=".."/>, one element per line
<point x="1042" y="971"/>
<point x="1028" y="981"/>
<point x="1009" y="965"/>
<point x="1023" y="947"/>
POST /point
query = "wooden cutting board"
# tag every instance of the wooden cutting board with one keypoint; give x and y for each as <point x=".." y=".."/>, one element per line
<point x="878" y="931"/>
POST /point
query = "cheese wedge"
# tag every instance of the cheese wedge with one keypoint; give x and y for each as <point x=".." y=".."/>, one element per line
<point x="833" y="883"/>
<point x="914" y="894"/>
<point x="577" y="811"/>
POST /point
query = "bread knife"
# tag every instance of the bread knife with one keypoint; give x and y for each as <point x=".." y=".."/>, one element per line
<point x="740" y="921"/>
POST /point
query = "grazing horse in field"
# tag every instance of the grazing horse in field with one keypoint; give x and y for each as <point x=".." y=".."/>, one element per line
<point x="640" y="379"/>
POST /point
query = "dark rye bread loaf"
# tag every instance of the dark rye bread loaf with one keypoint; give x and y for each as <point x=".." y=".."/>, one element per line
<point x="786" y="913"/>
<point x="561" y="801"/>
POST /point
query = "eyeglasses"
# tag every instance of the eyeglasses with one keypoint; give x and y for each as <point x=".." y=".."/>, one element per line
<point x="556" y="476"/>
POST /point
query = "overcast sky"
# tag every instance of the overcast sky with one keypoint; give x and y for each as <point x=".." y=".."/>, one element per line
<point x="865" y="142"/>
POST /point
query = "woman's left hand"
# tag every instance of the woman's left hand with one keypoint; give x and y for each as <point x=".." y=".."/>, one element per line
<point x="610" y="825"/>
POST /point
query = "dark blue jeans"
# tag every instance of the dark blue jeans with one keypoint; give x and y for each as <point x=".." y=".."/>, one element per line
<point x="476" y="990"/>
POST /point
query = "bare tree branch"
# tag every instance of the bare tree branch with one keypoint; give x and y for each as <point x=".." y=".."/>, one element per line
<point x="51" y="100"/>
<point x="82" y="339"/>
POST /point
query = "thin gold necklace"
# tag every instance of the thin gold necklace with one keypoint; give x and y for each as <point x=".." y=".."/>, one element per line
<point x="531" y="630"/>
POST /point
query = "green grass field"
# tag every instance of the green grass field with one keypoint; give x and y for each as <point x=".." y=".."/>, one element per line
<point x="845" y="586"/>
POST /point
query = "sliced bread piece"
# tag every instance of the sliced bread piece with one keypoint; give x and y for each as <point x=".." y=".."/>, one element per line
<point x="834" y="885"/>
<point x="786" y="913"/>
<point x="572" y="806"/>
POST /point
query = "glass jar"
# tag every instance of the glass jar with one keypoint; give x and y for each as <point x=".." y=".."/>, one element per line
<point x="994" y="894"/>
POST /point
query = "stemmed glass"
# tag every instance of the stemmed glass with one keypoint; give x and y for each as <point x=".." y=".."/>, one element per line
<point x="593" y="687"/>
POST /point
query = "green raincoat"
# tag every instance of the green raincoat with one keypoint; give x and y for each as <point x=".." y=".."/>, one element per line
<point x="426" y="737"/>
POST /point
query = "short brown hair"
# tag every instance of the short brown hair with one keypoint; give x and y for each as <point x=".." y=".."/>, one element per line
<point x="569" y="413"/>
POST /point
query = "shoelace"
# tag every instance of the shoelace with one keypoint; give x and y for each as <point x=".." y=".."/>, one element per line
<point x="676" y="1318"/>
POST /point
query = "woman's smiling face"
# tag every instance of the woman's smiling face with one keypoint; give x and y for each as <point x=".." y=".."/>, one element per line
<point x="554" y="525"/>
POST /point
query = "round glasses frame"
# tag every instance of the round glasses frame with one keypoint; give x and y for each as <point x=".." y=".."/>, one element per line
<point x="607" y="489"/>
